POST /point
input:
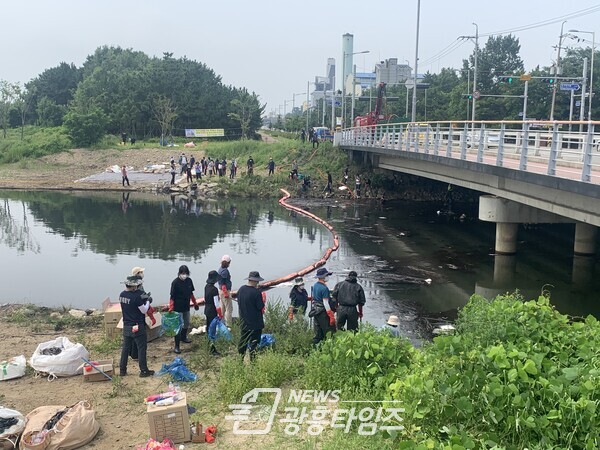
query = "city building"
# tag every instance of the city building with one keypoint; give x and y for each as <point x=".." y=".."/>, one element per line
<point x="392" y="73"/>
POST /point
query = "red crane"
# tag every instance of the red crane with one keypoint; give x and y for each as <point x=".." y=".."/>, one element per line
<point x="373" y="117"/>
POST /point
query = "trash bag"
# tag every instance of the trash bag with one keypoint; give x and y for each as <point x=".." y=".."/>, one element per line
<point x="218" y="330"/>
<point x="64" y="364"/>
<point x="266" y="340"/>
<point x="13" y="368"/>
<point x="11" y="434"/>
<point x="172" y="322"/>
<point x="178" y="370"/>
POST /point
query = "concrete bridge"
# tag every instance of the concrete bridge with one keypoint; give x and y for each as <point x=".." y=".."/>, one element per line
<point x="534" y="172"/>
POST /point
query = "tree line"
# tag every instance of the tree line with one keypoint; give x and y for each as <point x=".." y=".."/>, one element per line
<point x="447" y="97"/>
<point x="120" y="90"/>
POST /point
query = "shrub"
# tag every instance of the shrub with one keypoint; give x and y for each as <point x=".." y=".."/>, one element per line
<point x="361" y="365"/>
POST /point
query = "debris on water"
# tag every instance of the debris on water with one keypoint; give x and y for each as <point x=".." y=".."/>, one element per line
<point x="428" y="280"/>
<point x="383" y="218"/>
<point x="452" y="267"/>
<point x="444" y="329"/>
<point x="368" y="257"/>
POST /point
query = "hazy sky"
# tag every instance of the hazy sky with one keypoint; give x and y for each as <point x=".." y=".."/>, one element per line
<point x="275" y="47"/>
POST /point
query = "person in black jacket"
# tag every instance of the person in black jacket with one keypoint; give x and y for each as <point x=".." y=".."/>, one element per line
<point x="349" y="296"/>
<point x="182" y="291"/>
<point x="212" y="306"/>
<point x="251" y="310"/>
<point x="298" y="297"/>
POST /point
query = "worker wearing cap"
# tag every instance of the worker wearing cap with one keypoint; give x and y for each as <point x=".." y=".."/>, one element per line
<point x="323" y="306"/>
<point x="251" y="309"/>
<point x="225" y="289"/>
<point x="299" y="298"/>
<point x="350" y="297"/>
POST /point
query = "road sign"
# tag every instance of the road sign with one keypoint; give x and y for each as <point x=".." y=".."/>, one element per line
<point x="569" y="86"/>
<point x="476" y="95"/>
<point x="525" y="77"/>
<point x="520" y="113"/>
<point x="578" y="103"/>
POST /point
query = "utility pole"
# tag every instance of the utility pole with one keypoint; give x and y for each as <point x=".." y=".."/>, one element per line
<point x="307" y="104"/>
<point x="583" y="88"/>
<point x="414" y="97"/>
<point x="525" y="91"/>
<point x="557" y="71"/>
<point x="475" y="74"/>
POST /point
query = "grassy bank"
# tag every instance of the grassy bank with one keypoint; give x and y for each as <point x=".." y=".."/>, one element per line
<point x="516" y="375"/>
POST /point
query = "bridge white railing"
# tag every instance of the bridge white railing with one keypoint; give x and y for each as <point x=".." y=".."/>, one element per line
<point x="562" y="149"/>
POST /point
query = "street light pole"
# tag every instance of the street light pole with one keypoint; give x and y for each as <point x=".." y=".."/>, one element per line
<point x="307" y="103"/>
<point x="557" y="71"/>
<point x="344" y="75"/>
<point x="593" y="33"/>
<point x="413" y="117"/>
<point x="475" y="74"/>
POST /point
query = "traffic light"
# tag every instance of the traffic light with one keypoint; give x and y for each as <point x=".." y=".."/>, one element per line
<point x="506" y="79"/>
<point x="548" y="80"/>
<point x="469" y="96"/>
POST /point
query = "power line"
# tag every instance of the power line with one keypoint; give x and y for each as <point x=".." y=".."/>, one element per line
<point x="454" y="45"/>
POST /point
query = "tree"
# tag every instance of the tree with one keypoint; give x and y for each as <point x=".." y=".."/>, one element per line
<point x="164" y="113"/>
<point x="85" y="123"/>
<point x="247" y="112"/>
<point x="8" y="95"/>
<point x="22" y="103"/>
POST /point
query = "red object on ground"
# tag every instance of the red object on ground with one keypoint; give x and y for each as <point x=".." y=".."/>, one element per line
<point x="210" y="432"/>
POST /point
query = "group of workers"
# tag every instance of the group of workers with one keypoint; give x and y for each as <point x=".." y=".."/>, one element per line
<point x="346" y="301"/>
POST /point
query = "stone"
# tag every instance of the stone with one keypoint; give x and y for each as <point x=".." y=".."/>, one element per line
<point x="77" y="313"/>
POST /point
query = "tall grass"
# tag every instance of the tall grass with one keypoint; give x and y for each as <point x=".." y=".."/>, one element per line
<point x="36" y="142"/>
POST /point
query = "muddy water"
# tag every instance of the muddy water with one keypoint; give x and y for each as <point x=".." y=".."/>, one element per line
<point x="76" y="249"/>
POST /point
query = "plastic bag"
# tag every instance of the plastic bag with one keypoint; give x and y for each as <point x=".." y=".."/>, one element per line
<point x="13" y="368"/>
<point x="65" y="364"/>
<point x="178" y="370"/>
<point x="218" y="330"/>
<point x="172" y="322"/>
<point x="12" y="433"/>
<point x="152" y="444"/>
<point x="266" y="340"/>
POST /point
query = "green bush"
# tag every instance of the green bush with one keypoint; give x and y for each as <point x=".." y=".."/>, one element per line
<point x="360" y="365"/>
<point x="36" y="142"/>
<point x="269" y="370"/>
<point x="291" y="337"/>
<point x="517" y="374"/>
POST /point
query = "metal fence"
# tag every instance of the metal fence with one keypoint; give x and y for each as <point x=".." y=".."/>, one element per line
<point x="561" y="149"/>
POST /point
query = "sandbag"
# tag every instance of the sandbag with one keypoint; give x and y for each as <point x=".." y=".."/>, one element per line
<point x="74" y="429"/>
<point x="13" y="368"/>
<point x="65" y="364"/>
<point x="10" y="436"/>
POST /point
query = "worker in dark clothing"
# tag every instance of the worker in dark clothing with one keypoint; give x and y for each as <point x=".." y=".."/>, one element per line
<point x="298" y="297"/>
<point x="251" y="310"/>
<point x="329" y="182"/>
<point x="315" y="141"/>
<point x="271" y="166"/>
<point x="349" y="295"/>
<point x="250" y="165"/>
<point x="182" y="291"/>
<point x="134" y="309"/>
<point x="323" y="307"/>
<point x="212" y="306"/>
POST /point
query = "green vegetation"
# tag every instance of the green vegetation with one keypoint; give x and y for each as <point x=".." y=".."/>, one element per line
<point x="36" y="142"/>
<point x="41" y="316"/>
<point x="517" y="374"/>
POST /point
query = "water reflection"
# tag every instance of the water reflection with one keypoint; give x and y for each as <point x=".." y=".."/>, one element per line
<point x="14" y="234"/>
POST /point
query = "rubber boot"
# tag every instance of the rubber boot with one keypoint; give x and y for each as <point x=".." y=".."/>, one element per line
<point x="213" y="350"/>
<point x="184" y="337"/>
<point x="177" y="341"/>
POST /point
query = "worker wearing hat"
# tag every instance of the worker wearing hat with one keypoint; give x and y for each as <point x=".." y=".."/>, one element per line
<point x="392" y="325"/>
<point x="298" y="298"/>
<point x="350" y="297"/>
<point x="251" y="309"/>
<point x="323" y="307"/>
<point x="225" y="289"/>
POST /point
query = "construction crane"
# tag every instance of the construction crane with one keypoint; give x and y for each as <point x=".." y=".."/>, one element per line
<point x="373" y="117"/>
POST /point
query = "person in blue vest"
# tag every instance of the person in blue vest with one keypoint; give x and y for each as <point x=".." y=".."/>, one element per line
<point x="225" y="289"/>
<point x="134" y="309"/>
<point x="323" y="306"/>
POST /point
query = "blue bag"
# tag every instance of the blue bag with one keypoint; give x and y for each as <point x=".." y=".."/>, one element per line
<point x="266" y="340"/>
<point x="218" y="330"/>
<point x="172" y="322"/>
<point x="178" y="371"/>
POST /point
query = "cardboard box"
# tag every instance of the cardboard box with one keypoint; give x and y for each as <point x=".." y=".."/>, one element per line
<point x="170" y="421"/>
<point x="152" y="331"/>
<point x="105" y="365"/>
<point x="112" y="315"/>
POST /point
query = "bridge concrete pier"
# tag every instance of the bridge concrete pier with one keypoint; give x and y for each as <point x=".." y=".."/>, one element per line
<point x="508" y="214"/>
<point x="585" y="239"/>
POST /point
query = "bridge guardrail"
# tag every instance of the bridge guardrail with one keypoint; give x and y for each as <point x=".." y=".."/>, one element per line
<point x="561" y="149"/>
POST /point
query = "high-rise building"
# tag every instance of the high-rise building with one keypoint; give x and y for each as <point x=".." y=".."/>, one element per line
<point x="392" y="73"/>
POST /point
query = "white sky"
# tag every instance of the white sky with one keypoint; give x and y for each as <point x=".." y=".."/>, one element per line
<point x="273" y="47"/>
